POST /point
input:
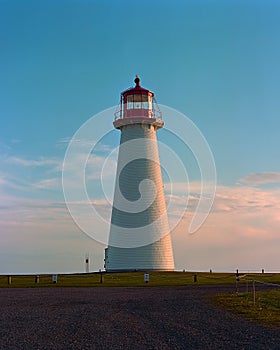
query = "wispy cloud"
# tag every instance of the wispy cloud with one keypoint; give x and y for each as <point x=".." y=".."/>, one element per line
<point x="40" y="162"/>
<point x="3" y="180"/>
<point x="32" y="176"/>
<point x="4" y="147"/>
<point x="85" y="144"/>
<point x="49" y="184"/>
<point x="242" y="230"/>
<point x="245" y="198"/>
<point x="13" y="182"/>
<point x="79" y="143"/>
<point x="14" y="141"/>
<point x="261" y="178"/>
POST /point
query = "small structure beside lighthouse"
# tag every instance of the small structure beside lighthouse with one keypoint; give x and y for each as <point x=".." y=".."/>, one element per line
<point x="139" y="237"/>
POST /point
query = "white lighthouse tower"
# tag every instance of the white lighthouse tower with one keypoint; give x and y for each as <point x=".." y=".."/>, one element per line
<point x="139" y="233"/>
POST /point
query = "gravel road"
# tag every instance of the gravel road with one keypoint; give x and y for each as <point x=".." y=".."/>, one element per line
<point x="125" y="318"/>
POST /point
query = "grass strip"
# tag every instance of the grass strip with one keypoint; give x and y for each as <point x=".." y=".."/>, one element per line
<point x="130" y="279"/>
<point x="265" y="310"/>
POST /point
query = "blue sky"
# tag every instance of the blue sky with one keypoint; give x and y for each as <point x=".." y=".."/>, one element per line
<point x="64" y="61"/>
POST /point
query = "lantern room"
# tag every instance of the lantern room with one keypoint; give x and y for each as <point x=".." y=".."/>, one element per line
<point x="137" y="105"/>
<point x="137" y="101"/>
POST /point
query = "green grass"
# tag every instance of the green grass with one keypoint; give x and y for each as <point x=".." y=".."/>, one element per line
<point x="133" y="279"/>
<point x="265" y="310"/>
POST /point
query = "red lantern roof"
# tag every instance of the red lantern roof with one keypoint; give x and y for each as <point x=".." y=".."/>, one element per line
<point x="137" y="89"/>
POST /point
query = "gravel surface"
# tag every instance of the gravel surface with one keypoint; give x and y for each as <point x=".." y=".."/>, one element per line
<point x="125" y="318"/>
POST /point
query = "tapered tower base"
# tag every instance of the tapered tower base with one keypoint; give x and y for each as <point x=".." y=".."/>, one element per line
<point x="157" y="256"/>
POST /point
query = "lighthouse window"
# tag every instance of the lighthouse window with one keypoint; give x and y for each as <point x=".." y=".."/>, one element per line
<point x="137" y="102"/>
<point x="129" y="101"/>
<point x="145" y="101"/>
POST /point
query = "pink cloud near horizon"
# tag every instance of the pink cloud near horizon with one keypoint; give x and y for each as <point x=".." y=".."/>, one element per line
<point x="242" y="229"/>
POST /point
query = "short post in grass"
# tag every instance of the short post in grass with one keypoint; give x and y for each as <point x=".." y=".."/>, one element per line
<point x="54" y="279"/>
<point x="254" y="292"/>
<point x="37" y="279"/>
<point x="9" y="279"/>
<point x="236" y="281"/>
<point x="146" y="277"/>
<point x="101" y="276"/>
<point x="237" y="274"/>
<point x="195" y="278"/>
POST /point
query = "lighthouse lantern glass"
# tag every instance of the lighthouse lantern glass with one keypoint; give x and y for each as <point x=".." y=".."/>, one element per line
<point x="129" y="102"/>
<point x="139" y="101"/>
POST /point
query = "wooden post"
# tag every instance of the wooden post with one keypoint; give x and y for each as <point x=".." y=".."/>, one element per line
<point x="236" y="280"/>
<point x="101" y="276"/>
<point x="254" y="292"/>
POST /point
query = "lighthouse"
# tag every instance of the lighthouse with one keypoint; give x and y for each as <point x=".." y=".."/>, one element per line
<point x="139" y="238"/>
